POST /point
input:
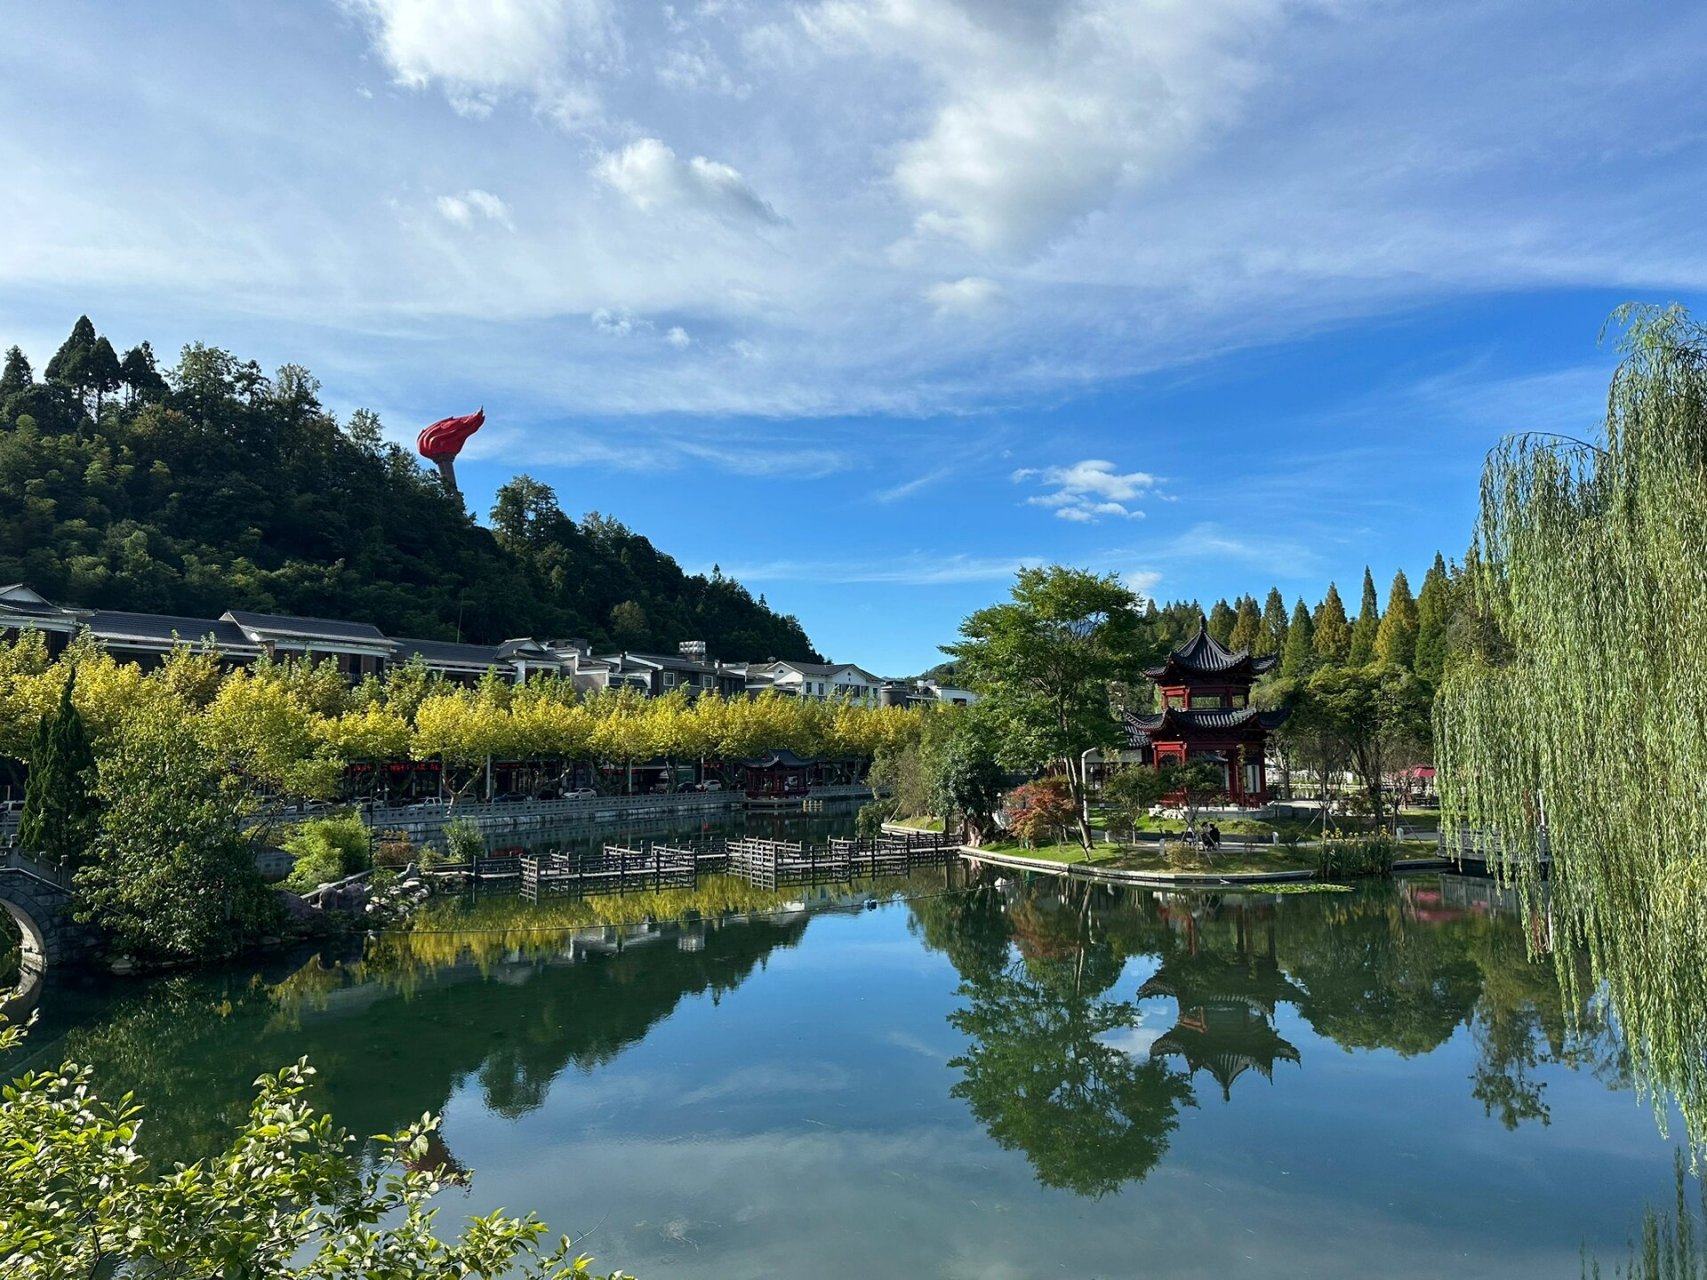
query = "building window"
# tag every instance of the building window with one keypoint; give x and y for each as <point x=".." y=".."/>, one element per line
<point x="706" y="682"/>
<point x="1207" y="702"/>
<point x="1177" y="701"/>
<point x="1238" y="700"/>
<point x="669" y="679"/>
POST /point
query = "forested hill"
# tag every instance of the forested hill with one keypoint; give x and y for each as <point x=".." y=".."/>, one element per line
<point x="211" y="486"/>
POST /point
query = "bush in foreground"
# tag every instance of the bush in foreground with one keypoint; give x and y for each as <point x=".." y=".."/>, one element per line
<point x="289" y="1197"/>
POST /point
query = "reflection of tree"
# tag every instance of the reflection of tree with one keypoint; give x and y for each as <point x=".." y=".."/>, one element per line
<point x="191" y="1044"/>
<point x="1039" y="1073"/>
<point x="1376" y="980"/>
<point x="1523" y="1023"/>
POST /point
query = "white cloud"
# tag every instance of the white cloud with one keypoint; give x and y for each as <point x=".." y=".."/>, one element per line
<point x="618" y="323"/>
<point x="678" y="338"/>
<point x="1151" y="184"/>
<point x="1087" y="491"/>
<point x="653" y="177"/>
<point x="462" y="209"/>
<point x="478" y="51"/>
<point x="1041" y="111"/>
<point x="969" y="295"/>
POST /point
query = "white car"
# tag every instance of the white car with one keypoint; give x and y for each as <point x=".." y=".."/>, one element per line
<point x="581" y="793"/>
<point x="711" y="784"/>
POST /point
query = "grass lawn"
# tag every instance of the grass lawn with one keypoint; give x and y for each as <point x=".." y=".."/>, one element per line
<point x="918" y="824"/>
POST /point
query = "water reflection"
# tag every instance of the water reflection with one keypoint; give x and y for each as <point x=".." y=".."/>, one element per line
<point x="1059" y="1066"/>
<point x="1091" y="1024"/>
<point x="1039" y="1072"/>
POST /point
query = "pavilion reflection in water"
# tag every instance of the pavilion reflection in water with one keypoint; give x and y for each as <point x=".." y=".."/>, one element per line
<point x="1226" y="997"/>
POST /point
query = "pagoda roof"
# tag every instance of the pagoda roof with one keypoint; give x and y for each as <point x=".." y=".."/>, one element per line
<point x="1209" y="978"/>
<point x="1204" y="655"/>
<point x="1140" y="730"/>
<point x="780" y="757"/>
<point x="1226" y="1051"/>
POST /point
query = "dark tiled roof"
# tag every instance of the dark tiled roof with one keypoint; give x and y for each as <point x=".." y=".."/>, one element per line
<point x="1206" y="655"/>
<point x="308" y="628"/>
<point x="11" y="602"/>
<point x="447" y="653"/>
<point x="783" y="757"/>
<point x="669" y="662"/>
<point x="113" y="627"/>
<point x="1140" y="729"/>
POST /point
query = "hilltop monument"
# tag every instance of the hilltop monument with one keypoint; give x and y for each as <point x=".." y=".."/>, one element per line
<point x="441" y="442"/>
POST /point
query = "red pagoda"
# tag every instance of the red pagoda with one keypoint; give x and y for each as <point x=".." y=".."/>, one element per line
<point x="1207" y="715"/>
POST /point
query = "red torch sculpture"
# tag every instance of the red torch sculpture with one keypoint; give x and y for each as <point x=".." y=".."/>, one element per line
<point x="441" y="442"/>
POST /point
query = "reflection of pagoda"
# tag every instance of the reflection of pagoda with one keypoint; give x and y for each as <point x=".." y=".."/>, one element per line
<point x="1206" y="715"/>
<point x="1226" y="1013"/>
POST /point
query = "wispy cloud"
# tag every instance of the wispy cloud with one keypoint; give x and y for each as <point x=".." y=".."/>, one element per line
<point x="1088" y="491"/>
<point x="917" y="570"/>
<point x="462" y="210"/>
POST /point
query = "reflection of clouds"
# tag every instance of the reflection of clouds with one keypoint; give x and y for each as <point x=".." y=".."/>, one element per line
<point x="942" y="1200"/>
<point x="818" y="1077"/>
<point x="920" y="1046"/>
<point x="1134" y="1041"/>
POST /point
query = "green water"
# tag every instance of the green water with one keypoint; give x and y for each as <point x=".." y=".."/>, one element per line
<point x="1001" y="1081"/>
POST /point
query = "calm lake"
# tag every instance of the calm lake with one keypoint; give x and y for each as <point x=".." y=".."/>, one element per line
<point x="998" y="1081"/>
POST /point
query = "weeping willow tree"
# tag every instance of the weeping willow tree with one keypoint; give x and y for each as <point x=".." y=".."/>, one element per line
<point x="1576" y="721"/>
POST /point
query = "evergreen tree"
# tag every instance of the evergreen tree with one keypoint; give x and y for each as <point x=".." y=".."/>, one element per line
<point x="17" y="376"/>
<point x="1271" y="636"/>
<point x="1247" y="623"/>
<point x="59" y="815"/>
<point x="1221" y="619"/>
<point x="1396" y="642"/>
<point x="140" y="375"/>
<point x="1432" y="614"/>
<point x="72" y="365"/>
<point x="104" y="372"/>
<point x="1332" y="641"/>
<point x="1368" y="625"/>
<point x="1299" y="656"/>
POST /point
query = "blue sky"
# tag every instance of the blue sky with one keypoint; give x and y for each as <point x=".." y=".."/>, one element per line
<point x="870" y="301"/>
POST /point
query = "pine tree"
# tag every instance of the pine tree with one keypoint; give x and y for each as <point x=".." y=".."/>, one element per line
<point x="1396" y="643"/>
<point x="1332" y="641"/>
<point x="17" y="375"/>
<point x="1271" y="636"/>
<point x="1299" y="655"/>
<point x="69" y="366"/>
<point x="59" y="814"/>
<point x="1432" y="614"/>
<point x="1247" y="624"/>
<point x="1221" y="619"/>
<point x="104" y="374"/>
<point x="1368" y="625"/>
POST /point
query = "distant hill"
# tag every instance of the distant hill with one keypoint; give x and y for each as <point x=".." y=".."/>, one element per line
<point x="212" y="486"/>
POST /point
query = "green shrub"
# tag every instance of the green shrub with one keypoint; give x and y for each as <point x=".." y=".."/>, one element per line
<point x="342" y="840"/>
<point x="394" y="849"/>
<point x="872" y="816"/>
<point x="463" y="840"/>
<point x="1182" y="856"/>
<point x="312" y="870"/>
<point x="1343" y="857"/>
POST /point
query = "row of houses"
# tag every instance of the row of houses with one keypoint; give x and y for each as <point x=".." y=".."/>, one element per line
<point x="361" y="650"/>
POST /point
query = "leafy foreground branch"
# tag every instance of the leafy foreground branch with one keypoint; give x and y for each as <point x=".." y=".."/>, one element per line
<point x="289" y="1197"/>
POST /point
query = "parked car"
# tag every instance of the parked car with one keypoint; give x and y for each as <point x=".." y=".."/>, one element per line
<point x="711" y="784"/>
<point x="580" y="793"/>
